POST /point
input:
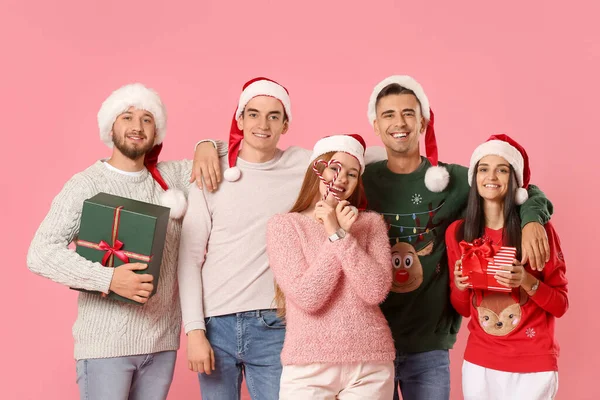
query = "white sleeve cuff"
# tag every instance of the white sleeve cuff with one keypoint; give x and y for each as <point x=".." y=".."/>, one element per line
<point x="219" y="145"/>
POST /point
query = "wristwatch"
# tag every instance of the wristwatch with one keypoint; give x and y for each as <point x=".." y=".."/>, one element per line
<point x="534" y="287"/>
<point x="339" y="234"/>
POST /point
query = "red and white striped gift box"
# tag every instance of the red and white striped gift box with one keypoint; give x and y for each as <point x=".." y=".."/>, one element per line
<point x="503" y="258"/>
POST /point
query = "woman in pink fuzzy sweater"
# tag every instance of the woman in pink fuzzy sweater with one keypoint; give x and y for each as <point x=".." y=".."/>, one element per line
<point x="332" y="267"/>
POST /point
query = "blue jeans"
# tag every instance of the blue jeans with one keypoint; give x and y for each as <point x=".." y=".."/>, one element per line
<point x="246" y="343"/>
<point x="143" y="377"/>
<point x="423" y="376"/>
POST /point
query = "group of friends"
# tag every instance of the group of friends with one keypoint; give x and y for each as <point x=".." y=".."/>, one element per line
<point x="334" y="273"/>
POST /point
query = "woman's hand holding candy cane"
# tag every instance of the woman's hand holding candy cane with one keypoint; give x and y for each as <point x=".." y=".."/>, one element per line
<point x="327" y="215"/>
<point x="346" y="215"/>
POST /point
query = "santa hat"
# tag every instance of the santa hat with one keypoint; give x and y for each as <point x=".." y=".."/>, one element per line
<point x="142" y="98"/>
<point x="253" y="88"/>
<point x="132" y="95"/>
<point x="505" y="147"/>
<point x="436" y="177"/>
<point x="351" y="144"/>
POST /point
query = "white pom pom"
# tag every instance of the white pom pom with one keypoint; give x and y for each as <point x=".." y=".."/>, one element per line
<point x="176" y="201"/>
<point x="437" y="178"/>
<point x="521" y="196"/>
<point x="232" y="174"/>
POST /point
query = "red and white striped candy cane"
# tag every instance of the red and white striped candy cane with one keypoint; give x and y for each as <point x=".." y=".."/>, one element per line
<point x="335" y="176"/>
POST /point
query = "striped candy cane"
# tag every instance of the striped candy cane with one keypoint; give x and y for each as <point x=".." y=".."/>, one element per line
<point x="335" y="176"/>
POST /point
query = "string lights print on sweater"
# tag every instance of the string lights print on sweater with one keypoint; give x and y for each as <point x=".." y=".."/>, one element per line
<point x="409" y="233"/>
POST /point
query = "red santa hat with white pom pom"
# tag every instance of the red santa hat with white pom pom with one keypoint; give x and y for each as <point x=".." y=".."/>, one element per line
<point x="253" y="88"/>
<point x="505" y="147"/>
<point x="142" y="98"/>
<point x="436" y="177"/>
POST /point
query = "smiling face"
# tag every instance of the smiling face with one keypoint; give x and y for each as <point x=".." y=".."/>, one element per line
<point x="263" y="122"/>
<point x="347" y="176"/>
<point x="400" y="123"/>
<point x="493" y="177"/>
<point x="133" y="133"/>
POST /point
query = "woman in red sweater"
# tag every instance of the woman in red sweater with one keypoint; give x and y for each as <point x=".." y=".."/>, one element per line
<point x="332" y="267"/>
<point x="511" y="352"/>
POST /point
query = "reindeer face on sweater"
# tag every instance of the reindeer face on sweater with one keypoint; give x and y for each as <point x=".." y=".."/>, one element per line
<point x="499" y="314"/>
<point x="407" y="270"/>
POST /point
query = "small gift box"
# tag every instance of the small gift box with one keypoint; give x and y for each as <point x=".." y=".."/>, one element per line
<point x="481" y="260"/>
<point x="116" y="230"/>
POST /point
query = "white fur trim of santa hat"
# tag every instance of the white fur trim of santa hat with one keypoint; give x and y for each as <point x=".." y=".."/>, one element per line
<point x="264" y="88"/>
<point x="175" y="200"/>
<point x="341" y="143"/>
<point x="232" y="174"/>
<point x="132" y="95"/>
<point x="437" y="178"/>
<point x="405" y="81"/>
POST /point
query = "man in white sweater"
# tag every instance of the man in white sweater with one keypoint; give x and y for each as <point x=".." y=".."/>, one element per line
<point x="227" y="295"/>
<point x="226" y="285"/>
<point x="122" y="350"/>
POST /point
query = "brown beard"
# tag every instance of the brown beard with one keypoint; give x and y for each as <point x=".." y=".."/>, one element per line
<point x="133" y="153"/>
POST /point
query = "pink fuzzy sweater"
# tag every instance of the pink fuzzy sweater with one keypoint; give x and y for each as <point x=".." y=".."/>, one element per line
<point x="332" y="290"/>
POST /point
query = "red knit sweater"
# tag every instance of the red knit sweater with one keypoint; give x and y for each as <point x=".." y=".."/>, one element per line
<point x="504" y="334"/>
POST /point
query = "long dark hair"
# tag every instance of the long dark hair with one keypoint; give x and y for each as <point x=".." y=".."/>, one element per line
<point x="473" y="226"/>
<point x="308" y="192"/>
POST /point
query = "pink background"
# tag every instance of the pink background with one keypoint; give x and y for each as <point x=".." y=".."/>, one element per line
<point x="487" y="67"/>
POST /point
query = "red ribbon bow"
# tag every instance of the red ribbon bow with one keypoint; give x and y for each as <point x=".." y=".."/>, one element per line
<point x="113" y="250"/>
<point x="475" y="260"/>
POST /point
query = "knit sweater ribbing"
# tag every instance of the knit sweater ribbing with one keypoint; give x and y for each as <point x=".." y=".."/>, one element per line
<point x="107" y="328"/>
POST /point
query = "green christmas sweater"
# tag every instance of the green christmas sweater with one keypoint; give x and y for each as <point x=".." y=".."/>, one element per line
<point x="418" y="308"/>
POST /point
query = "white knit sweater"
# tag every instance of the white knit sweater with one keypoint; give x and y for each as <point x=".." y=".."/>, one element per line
<point x="107" y="328"/>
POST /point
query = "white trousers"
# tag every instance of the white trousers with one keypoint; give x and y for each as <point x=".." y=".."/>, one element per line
<point x="483" y="383"/>
<point x="373" y="381"/>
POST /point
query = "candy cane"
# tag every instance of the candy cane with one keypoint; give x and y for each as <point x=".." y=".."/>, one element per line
<point x="330" y="183"/>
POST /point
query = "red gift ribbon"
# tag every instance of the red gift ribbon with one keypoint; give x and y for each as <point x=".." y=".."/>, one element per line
<point x="476" y="257"/>
<point x="115" y="249"/>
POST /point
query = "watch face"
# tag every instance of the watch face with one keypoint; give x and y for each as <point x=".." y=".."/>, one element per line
<point x="341" y="233"/>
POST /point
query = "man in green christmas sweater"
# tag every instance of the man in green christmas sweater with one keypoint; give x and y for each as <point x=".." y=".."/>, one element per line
<point x="419" y="199"/>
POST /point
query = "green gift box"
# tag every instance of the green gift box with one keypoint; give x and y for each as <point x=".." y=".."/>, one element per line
<point x="116" y="230"/>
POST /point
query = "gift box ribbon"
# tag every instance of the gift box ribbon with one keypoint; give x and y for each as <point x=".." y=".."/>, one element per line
<point x="476" y="257"/>
<point x="116" y="248"/>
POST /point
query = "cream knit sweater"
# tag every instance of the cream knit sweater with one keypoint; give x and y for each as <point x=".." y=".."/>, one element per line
<point x="107" y="328"/>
